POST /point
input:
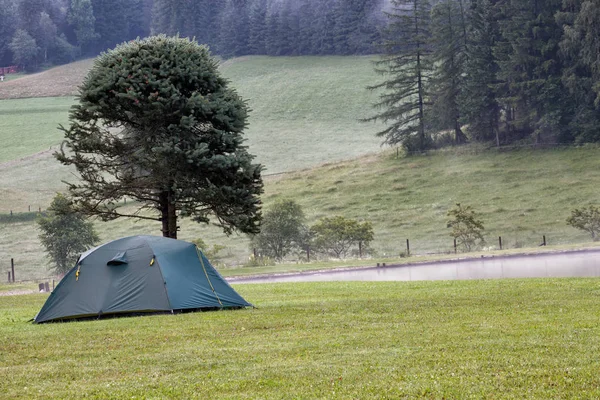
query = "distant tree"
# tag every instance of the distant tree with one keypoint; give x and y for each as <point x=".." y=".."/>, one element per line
<point x="111" y="22"/>
<point x="466" y="226"/>
<point x="338" y="235"/>
<point x="449" y="56"/>
<point x="65" y="234"/>
<point x="157" y="123"/>
<point x="586" y="219"/>
<point x="63" y="52"/>
<point x="281" y="230"/>
<point x="81" y="17"/>
<point x="234" y="30"/>
<point x="46" y="34"/>
<point x="530" y="69"/>
<point x="24" y="49"/>
<point x="407" y="65"/>
<point x="257" y="27"/>
<point x="581" y="74"/>
<point x="479" y="105"/>
<point x="30" y="12"/>
<point x="138" y="22"/>
<point x="8" y="26"/>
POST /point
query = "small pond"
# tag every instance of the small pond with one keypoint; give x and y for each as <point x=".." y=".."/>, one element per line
<point x="568" y="264"/>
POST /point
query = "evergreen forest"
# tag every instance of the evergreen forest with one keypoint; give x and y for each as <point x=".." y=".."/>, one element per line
<point x="453" y="71"/>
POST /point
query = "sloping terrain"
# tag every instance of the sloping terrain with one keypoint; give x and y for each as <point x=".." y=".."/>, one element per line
<point x="55" y="82"/>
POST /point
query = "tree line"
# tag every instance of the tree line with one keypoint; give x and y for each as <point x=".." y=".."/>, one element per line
<point x="34" y="32"/>
<point x="501" y="71"/>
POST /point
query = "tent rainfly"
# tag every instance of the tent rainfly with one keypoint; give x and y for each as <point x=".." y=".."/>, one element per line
<point x="136" y="275"/>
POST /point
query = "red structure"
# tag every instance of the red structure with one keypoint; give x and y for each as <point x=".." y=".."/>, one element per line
<point x="12" y="69"/>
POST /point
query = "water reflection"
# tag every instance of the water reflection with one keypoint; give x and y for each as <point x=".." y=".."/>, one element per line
<point x="571" y="264"/>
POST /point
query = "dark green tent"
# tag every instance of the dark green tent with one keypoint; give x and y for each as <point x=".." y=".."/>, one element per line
<point x="139" y="274"/>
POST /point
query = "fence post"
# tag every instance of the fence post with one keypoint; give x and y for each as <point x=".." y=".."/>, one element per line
<point x="359" y="249"/>
<point x="454" y="245"/>
<point x="8" y="276"/>
<point x="407" y="248"/>
<point x="12" y="268"/>
<point x="308" y="253"/>
<point x="544" y="242"/>
<point x="500" y="241"/>
<point x="29" y="208"/>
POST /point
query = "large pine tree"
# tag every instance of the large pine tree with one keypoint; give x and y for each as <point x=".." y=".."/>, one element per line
<point x="157" y="123"/>
<point x="407" y="66"/>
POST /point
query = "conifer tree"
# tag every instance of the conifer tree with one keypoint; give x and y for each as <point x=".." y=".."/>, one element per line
<point x="81" y="17"/>
<point x="449" y="56"/>
<point x="111" y="22"/>
<point x="258" y="27"/>
<point x="530" y="68"/>
<point x="581" y="74"/>
<point x="479" y="106"/>
<point x="407" y="65"/>
<point x="157" y="123"/>
<point x="8" y="26"/>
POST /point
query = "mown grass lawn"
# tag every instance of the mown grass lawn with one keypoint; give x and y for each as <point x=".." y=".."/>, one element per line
<point x="459" y="339"/>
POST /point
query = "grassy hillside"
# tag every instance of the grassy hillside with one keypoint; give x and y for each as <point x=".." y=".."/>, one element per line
<point x="55" y="82"/>
<point x="305" y="114"/>
<point x="28" y="126"/>
<point x="520" y="196"/>
<point x="305" y="110"/>
<point x="387" y="340"/>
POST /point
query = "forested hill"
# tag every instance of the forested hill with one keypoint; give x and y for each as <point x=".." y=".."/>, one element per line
<point x="33" y="32"/>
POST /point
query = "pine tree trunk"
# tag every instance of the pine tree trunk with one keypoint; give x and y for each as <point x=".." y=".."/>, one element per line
<point x="459" y="136"/>
<point x="168" y="214"/>
<point x="163" y="199"/>
<point x="172" y="217"/>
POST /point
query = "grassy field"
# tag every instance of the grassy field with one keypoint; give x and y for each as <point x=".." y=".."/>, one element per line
<point x="28" y="126"/>
<point x="463" y="339"/>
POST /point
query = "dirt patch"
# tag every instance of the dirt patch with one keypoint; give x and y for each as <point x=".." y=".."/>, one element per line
<point x="17" y="292"/>
<point x="27" y="159"/>
<point x="56" y="82"/>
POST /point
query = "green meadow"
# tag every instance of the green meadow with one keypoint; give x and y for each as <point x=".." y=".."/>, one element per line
<point x="28" y="126"/>
<point x="501" y="339"/>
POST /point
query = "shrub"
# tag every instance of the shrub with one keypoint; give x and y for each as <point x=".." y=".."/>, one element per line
<point x="338" y="235"/>
<point x="467" y="229"/>
<point x="587" y="219"/>
<point x="282" y="230"/>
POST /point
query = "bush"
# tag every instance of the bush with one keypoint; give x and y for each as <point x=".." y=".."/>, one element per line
<point x="212" y="253"/>
<point x="282" y="230"/>
<point x="338" y="235"/>
<point x="587" y="219"/>
<point x="259" y="261"/>
<point x="65" y="234"/>
<point x="467" y="229"/>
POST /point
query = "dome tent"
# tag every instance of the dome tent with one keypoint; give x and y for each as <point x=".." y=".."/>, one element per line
<point x="139" y="274"/>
